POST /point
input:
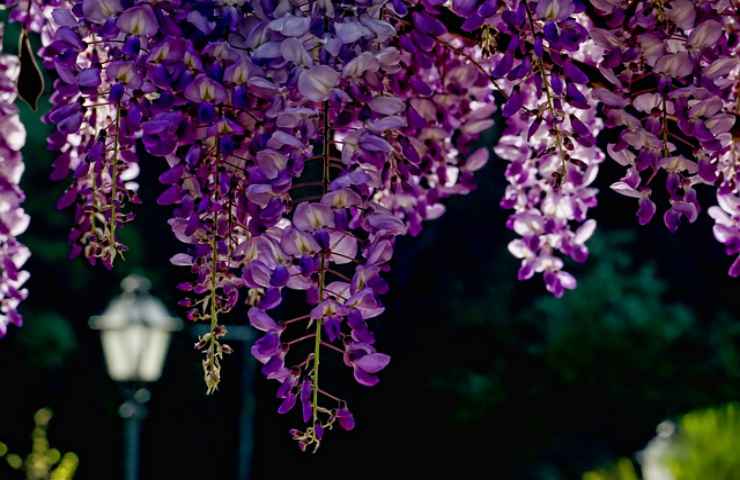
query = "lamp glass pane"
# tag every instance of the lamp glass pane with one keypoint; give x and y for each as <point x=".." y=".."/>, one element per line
<point x="120" y="367"/>
<point x="122" y="350"/>
<point x="154" y="355"/>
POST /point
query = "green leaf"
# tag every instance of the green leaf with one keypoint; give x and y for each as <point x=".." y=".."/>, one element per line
<point x="30" y="79"/>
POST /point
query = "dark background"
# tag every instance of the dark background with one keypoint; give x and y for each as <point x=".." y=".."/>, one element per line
<point x="488" y="374"/>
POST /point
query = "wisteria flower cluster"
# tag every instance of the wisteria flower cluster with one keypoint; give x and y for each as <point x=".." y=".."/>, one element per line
<point x="300" y="139"/>
<point x="13" y="220"/>
<point x="657" y="81"/>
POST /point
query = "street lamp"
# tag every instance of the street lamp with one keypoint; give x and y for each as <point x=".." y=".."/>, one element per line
<point x="135" y="331"/>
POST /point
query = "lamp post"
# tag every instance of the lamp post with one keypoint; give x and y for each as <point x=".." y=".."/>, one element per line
<point x="135" y="331"/>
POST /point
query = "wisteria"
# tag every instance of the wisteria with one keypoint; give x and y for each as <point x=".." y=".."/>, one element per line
<point x="299" y="139"/>
<point x="549" y="140"/>
<point x="657" y="81"/>
<point x="674" y="103"/>
<point x="299" y="143"/>
<point x="13" y="220"/>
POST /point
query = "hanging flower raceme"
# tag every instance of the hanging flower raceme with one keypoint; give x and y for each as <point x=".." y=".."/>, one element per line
<point x="13" y="220"/>
<point x="98" y="107"/>
<point x="386" y="158"/>
<point x="449" y="103"/>
<point x="671" y="94"/>
<point x="550" y="134"/>
<point x="663" y="76"/>
<point x="294" y="159"/>
<point x="550" y="207"/>
<point x="331" y="65"/>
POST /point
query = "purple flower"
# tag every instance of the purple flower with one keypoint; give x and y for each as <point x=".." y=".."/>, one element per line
<point x="513" y="104"/>
<point x="345" y="419"/>
<point x="13" y="220"/>
<point x="312" y="216"/>
<point x="646" y="211"/>
<point x="138" y="20"/>
<point x="294" y="155"/>
<point x="205" y="89"/>
<point x="262" y="321"/>
<point x="554" y="9"/>
<point x="676" y="65"/>
<point x="100" y="11"/>
<point x="266" y="347"/>
<point x="317" y="82"/>
<point x="428" y="24"/>
<point x="366" y="363"/>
